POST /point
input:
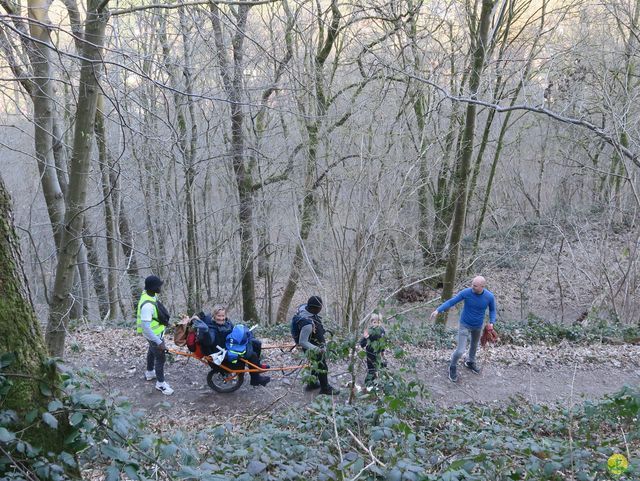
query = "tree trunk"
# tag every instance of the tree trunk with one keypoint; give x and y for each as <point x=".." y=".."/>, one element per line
<point x="79" y="169"/>
<point x="443" y="204"/>
<point x="266" y="268"/>
<point x="21" y="339"/>
<point x="498" y="92"/>
<point x="313" y="127"/>
<point x="503" y="131"/>
<point x="419" y="104"/>
<point x="232" y="77"/>
<point x="210" y="264"/>
<point x="185" y="142"/>
<point x="97" y="275"/>
<point x="108" y="190"/>
<point x="130" y="257"/>
<point x="75" y="311"/>
<point x="462" y="168"/>
<point x="43" y="113"/>
<point x="83" y="274"/>
<point x="189" y="152"/>
<point x="306" y="215"/>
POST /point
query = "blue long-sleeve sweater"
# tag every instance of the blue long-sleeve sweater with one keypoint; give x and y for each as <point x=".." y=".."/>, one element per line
<point x="475" y="305"/>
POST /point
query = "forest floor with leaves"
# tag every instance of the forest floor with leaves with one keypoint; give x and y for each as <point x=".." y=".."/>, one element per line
<point x="538" y="373"/>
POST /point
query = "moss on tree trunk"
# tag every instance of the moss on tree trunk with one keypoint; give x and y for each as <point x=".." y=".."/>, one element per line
<point x="22" y="336"/>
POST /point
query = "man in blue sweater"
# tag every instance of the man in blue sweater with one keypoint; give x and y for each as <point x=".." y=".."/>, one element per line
<point x="476" y="300"/>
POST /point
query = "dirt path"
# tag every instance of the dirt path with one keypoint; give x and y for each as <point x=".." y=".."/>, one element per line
<point x="539" y="374"/>
<point x="561" y="383"/>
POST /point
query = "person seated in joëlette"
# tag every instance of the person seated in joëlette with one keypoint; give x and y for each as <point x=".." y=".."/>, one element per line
<point x="219" y="334"/>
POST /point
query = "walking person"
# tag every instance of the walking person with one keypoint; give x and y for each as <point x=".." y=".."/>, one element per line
<point x="152" y="320"/>
<point x="476" y="301"/>
<point x="308" y="332"/>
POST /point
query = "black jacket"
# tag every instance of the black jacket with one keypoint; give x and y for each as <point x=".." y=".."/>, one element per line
<point x="217" y="332"/>
<point x="373" y="343"/>
<point x="305" y="318"/>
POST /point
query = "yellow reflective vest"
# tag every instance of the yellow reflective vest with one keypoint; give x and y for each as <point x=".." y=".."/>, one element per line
<point x="156" y="327"/>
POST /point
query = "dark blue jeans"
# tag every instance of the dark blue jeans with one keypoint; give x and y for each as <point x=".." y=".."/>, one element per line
<point x="156" y="359"/>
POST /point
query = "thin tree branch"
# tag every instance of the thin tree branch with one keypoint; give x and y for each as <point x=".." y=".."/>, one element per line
<point x="634" y="157"/>
<point x="168" y="6"/>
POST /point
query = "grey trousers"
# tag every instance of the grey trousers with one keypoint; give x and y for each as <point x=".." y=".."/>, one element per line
<point x="464" y="333"/>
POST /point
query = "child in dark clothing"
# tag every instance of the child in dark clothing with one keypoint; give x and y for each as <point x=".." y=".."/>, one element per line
<point x="373" y="343"/>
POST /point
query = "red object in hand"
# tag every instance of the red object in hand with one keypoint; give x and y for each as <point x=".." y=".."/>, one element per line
<point x="488" y="336"/>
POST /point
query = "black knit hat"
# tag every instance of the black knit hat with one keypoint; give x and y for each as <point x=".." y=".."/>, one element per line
<point x="153" y="283"/>
<point x="314" y="304"/>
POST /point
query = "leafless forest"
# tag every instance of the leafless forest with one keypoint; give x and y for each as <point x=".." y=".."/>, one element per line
<point x="254" y="152"/>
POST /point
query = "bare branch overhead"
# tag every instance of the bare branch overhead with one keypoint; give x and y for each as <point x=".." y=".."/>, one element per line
<point x="169" y="6"/>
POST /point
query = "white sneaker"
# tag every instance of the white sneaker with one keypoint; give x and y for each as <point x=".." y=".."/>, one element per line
<point x="150" y="375"/>
<point x="164" y="388"/>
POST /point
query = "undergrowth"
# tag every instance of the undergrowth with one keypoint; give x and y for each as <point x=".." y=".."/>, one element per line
<point x="394" y="432"/>
<point x="520" y="333"/>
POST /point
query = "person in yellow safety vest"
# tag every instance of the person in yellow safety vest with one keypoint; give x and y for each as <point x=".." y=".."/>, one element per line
<point x="149" y="325"/>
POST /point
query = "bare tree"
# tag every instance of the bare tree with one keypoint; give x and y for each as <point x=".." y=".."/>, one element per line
<point x="480" y="45"/>
<point x="79" y="167"/>
<point x="232" y="77"/>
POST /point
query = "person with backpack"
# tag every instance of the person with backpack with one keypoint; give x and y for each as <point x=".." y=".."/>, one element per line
<point x="476" y="301"/>
<point x="373" y="343"/>
<point x="152" y="320"/>
<point x="308" y="332"/>
<point x="237" y="340"/>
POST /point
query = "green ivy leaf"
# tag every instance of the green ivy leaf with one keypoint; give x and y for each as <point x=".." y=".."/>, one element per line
<point x="121" y="426"/>
<point x="54" y="405"/>
<point x="67" y="459"/>
<point x="45" y="389"/>
<point x="49" y="419"/>
<point x="71" y="437"/>
<point x="90" y="400"/>
<point x="113" y="473"/>
<point x="188" y="472"/>
<point x="404" y="428"/>
<point x="395" y="404"/>
<point x="116" y="453"/>
<point x="132" y="472"/>
<point x="457" y="464"/>
<point x="8" y="416"/>
<point x="256" y="467"/>
<point x="146" y="443"/>
<point x="168" y="451"/>
<point x="76" y="418"/>
<point x="6" y="436"/>
<point x="394" y="475"/>
<point x="6" y="359"/>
